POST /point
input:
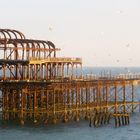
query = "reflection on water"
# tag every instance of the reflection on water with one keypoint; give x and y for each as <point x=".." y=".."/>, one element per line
<point x="72" y="131"/>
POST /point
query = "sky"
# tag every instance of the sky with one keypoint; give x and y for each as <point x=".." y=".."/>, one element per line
<point x="101" y="32"/>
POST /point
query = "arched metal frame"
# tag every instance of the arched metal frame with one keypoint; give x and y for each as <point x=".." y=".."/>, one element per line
<point x="30" y="48"/>
<point x="17" y="51"/>
<point x="8" y="34"/>
<point x="23" y="58"/>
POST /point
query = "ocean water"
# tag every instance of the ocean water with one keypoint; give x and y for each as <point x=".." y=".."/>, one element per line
<point x="77" y="130"/>
<point x="112" y="70"/>
<point x="73" y="131"/>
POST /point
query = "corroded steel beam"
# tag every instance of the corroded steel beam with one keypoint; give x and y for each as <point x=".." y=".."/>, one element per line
<point x="11" y="34"/>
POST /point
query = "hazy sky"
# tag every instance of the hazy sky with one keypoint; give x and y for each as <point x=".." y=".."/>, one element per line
<point x="102" y="32"/>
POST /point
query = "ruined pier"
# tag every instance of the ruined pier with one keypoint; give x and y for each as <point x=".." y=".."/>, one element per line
<point x="39" y="87"/>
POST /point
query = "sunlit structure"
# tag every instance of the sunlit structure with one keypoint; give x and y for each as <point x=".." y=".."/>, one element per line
<point x="40" y="87"/>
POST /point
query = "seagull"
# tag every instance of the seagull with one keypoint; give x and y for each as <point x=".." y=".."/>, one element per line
<point x="128" y="45"/>
<point x="50" y="29"/>
<point x="118" y="61"/>
<point x="119" y="12"/>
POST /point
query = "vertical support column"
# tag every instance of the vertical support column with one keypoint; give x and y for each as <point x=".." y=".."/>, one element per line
<point x="132" y="97"/>
<point x="13" y="103"/>
<point x="67" y="69"/>
<point x="76" y="71"/>
<point x="27" y="52"/>
<point x="94" y="96"/>
<point x="87" y="102"/>
<point x="35" y="105"/>
<point x="23" y="72"/>
<point x="62" y="70"/>
<point x="41" y="104"/>
<point x="3" y="105"/>
<point x="57" y="70"/>
<point x="41" y="98"/>
<point x="47" y="107"/>
<point x="53" y="71"/>
<point x="41" y="72"/>
<point x="28" y="71"/>
<point x="103" y="93"/>
<point x="68" y="100"/>
<point x="116" y="99"/>
<point x="4" y="65"/>
<point x="124" y="101"/>
<point x="81" y="72"/>
<point x="54" y="112"/>
<point x="39" y="52"/>
<point x="7" y="103"/>
<point x="56" y="64"/>
<point x="10" y="68"/>
<point x="100" y="98"/>
<point x="5" y="57"/>
<point x="82" y="97"/>
<point x="107" y="98"/>
<point x="18" y="69"/>
<point x="72" y="100"/>
<point x="65" y="99"/>
<point x="30" y="100"/>
<point x="72" y="71"/>
<point x="21" y="114"/>
<point x="4" y="71"/>
<point x="77" y="103"/>
<point x="16" y="58"/>
<point x="46" y="71"/>
<point x="35" y="71"/>
<point x="5" y="48"/>
<point x="50" y="71"/>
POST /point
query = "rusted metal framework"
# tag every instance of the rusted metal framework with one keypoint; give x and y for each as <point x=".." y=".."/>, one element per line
<point x="40" y="87"/>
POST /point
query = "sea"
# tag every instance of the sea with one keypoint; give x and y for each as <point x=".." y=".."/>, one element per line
<point x="79" y="130"/>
